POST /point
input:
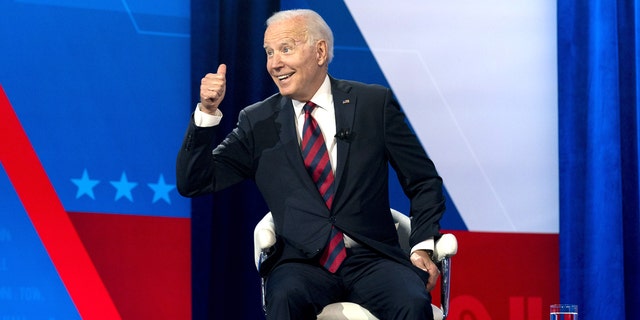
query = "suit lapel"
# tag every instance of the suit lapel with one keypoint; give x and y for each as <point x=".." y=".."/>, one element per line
<point x="345" y="105"/>
<point x="288" y="135"/>
<point x="291" y="146"/>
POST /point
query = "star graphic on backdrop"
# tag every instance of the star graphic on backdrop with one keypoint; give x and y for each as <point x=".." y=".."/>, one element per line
<point x="161" y="190"/>
<point x="123" y="187"/>
<point x="85" y="185"/>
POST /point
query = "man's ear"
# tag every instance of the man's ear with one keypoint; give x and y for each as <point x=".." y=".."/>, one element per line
<point x="322" y="54"/>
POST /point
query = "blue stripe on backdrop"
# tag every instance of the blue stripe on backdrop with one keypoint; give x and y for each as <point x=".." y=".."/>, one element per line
<point x="599" y="188"/>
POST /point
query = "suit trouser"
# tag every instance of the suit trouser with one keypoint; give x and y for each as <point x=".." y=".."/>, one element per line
<point x="389" y="290"/>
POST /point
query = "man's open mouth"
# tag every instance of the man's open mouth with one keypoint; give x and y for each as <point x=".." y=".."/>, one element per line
<point x="285" y="76"/>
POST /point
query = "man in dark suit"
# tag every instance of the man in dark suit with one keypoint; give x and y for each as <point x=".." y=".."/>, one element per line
<point x="362" y="130"/>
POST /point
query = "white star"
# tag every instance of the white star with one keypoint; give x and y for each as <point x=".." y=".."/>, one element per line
<point x="161" y="190"/>
<point x="85" y="185"/>
<point x="123" y="187"/>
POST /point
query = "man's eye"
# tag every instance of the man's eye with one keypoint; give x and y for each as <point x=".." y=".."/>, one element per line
<point x="286" y="50"/>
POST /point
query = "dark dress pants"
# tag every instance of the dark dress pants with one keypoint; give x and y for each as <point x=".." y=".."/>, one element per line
<point x="389" y="290"/>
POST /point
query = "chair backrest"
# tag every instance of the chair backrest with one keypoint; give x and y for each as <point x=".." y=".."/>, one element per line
<point x="403" y="226"/>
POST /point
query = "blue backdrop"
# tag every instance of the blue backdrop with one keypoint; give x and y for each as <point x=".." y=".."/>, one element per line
<point x="96" y="86"/>
<point x="118" y="77"/>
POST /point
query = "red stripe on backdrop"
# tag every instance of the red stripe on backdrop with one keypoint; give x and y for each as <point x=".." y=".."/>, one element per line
<point x="510" y="276"/>
<point x="50" y="220"/>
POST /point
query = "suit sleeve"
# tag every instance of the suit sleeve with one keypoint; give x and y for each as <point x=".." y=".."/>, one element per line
<point x="416" y="173"/>
<point x="201" y="169"/>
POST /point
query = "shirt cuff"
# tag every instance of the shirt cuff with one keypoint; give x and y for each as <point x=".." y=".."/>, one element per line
<point x="424" y="245"/>
<point x="202" y="119"/>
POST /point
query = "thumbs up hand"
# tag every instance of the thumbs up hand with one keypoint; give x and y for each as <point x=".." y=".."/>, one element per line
<point x="212" y="89"/>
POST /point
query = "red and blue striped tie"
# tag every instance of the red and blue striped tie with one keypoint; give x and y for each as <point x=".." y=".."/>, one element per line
<point x="316" y="160"/>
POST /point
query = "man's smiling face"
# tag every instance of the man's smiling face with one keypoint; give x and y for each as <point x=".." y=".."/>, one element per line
<point x="296" y="66"/>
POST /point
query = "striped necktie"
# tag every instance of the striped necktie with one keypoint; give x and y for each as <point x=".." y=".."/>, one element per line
<point x="316" y="160"/>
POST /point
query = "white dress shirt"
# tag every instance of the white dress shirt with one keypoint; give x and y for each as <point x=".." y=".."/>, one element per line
<point x="324" y="114"/>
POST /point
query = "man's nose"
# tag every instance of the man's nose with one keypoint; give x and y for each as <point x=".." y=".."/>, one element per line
<point x="275" y="62"/>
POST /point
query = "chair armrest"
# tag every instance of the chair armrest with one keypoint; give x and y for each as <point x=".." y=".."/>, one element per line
<point x="445" y="247"/>
<point x="264" y="237"/>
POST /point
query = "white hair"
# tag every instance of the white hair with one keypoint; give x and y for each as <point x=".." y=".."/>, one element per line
<point x="317" y="30"/>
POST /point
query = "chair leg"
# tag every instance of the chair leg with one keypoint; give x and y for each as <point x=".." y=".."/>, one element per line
<point x="445" y="285"/>
<point x="263" y="256"/>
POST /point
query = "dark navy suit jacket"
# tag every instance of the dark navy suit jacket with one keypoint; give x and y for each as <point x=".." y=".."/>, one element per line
<point x="264" y="147"/>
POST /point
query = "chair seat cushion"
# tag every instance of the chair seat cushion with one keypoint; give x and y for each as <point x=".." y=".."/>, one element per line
<point x="345" y="311"/>
<point x="352" y="311"/>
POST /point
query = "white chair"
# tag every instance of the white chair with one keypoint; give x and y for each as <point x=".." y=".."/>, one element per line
<point x="445" y="248"/>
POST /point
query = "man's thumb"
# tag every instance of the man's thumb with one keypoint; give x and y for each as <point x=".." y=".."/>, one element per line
<point x="222" y="69"/>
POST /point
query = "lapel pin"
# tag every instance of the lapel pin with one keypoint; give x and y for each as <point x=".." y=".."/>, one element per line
<point x="345" y="101"/>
